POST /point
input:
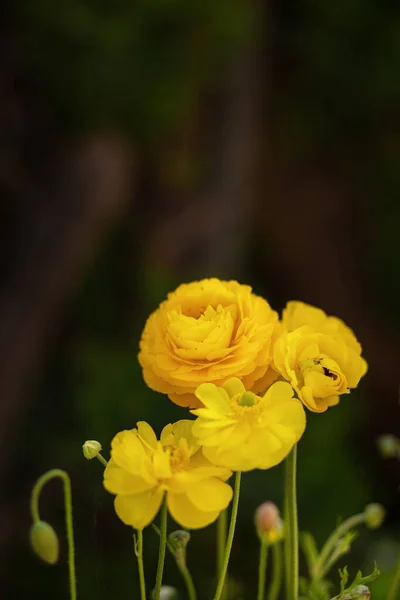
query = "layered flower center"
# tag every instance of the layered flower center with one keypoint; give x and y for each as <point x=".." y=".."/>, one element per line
<point x="192" y="336"/>
<point x="323" y="375"/>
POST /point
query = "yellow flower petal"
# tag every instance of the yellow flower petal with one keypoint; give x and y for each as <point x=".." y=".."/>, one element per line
<point x="128" y="453"/>
<point x="161" y="464"/>
<point x="211" y="495"/>
<point x="234" y="386"/>
<point x="146" y="433"/>
<point x="139" y="510"/>
<point x="212" y="397"/>
<point x="186" y="514"/>
<point x="120" y="481"/>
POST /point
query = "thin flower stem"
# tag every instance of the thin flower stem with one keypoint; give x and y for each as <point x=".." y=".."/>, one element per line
<point x="222" y="530"/>
<point x="395" y="585"/>
<point x="276" y="580"/>
<point x="40" y="483"/>
<point x="161" y="551"/>
<point x="101" y="459"/>
<point x="191" y="590"/>
<point x="292" y="541"/>
<point x="262" y="568"/>
<point x="286" y="545"/>
<point x="231" y="533"/>
<point x="139" y="554"/>
<point x="320" y="565"/>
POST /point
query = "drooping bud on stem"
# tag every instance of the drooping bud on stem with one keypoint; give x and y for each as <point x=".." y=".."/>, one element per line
<point x="44" y="541"/>
<point x="178" y="540"/>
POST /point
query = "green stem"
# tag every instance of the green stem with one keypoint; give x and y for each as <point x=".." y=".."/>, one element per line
<point x="276" y="581"/>
<point x="395" y="585"/>
<point x="292" y="541"/>
<point x="101" y="459"/>
<point x="231" y="533"/>
<point x="161" y="551"/>
<point x="40" y="483"/>
<point x="329" y="546"/>
<point x="191" y="590"/>
<point x="262" y="568"/>
<point x="222" y="530"/>
<point x="139" y="554"/>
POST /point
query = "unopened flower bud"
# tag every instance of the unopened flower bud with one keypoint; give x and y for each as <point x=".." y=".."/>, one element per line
<point x="167" y="592"/>
<point x="44" y="541"/>
<point x="179" y="539"/>
<point x="388" y="445"/>
<point x="360" y="592"/>
<point x="268" y="522"/>
<point x="91" y="448"/>
<point x="374" y="515"/>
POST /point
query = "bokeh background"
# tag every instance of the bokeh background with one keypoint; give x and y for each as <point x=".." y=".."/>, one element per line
<point x="145" y="143"/>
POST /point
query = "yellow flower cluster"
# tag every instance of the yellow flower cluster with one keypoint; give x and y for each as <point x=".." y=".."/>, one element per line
<point x="209" y="331"/>
<point x="219" y="349"/>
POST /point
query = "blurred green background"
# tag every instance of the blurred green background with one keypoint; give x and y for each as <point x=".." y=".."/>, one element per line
<point x="147" y="143"/>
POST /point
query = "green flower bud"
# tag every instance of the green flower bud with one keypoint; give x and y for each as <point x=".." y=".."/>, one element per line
<point x="179" y="539"/>
<point x="374" y="515"/>
<point x="91" y="448"/>
<point x="44" y="541"/>
<point x="388" y="445"/>
<point x="360" y="592"/>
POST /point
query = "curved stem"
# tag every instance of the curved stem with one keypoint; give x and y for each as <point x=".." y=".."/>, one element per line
<point x="231" y="533"/>
<point x="161" y="551"/>
<point x="139" y="554"/>
<point x="292" y="541"/>
<point x="37" y="488"/>
<point x="276" y="581"/>
<point x="331" y="542"/>
<point x="191" y="590"/>
<point x="262" y="568"/>
<point x="394" y="588"/>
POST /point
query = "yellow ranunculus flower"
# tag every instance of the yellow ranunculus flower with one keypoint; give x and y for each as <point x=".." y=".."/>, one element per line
<point x="319" y="355"/>
<point x="142" y="470"/>
<point x="208" y="331"/>
<point x="242" y="431"/>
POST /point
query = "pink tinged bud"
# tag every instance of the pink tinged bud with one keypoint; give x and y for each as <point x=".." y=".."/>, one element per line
<point x="268" y="522"/>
